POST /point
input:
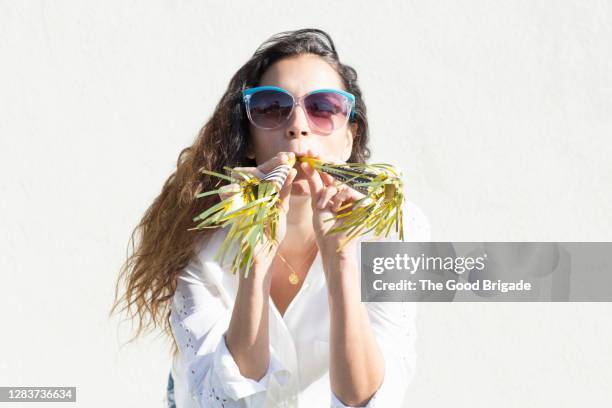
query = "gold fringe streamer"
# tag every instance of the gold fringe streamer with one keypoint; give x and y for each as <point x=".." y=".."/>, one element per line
<point x="382" y="207"/>
<point x="250" y="213"/>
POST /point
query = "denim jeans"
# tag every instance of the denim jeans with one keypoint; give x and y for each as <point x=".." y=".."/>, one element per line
<point x="170" y="392"/>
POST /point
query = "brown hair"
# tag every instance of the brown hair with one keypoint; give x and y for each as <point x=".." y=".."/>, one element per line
<point x="164" y="246"/>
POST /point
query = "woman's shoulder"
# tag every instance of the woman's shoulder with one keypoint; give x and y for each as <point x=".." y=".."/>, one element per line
<point x="208" y="244"/>
<point x="416" y="226"/>
<point x="203" y="261"/>
<point x="416" y="223"/>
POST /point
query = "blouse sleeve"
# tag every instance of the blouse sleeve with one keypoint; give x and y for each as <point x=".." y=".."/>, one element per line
<point x="199" y="319"/>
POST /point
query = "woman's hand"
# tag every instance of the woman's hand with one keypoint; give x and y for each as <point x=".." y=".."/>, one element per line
<point x="356" y="364"/>
<point x="327" y="196"/>
<point x="262" y="257"/>
<point x="247" y="336"/>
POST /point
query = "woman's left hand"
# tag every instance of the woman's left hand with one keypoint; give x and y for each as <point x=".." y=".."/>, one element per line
<point x="326" y="199"/>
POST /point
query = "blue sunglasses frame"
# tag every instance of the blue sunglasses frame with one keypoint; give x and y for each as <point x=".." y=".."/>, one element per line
<point x="247" y="93"/>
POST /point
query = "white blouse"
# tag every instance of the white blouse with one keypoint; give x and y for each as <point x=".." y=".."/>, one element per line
<point x="206" y="375"/>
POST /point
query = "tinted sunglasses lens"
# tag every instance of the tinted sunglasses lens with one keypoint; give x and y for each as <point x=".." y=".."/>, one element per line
<point x="327" y="110"/>
<point x="269" y="109"/>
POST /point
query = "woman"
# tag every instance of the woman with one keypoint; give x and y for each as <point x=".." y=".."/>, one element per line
<point x="294" y="331"/>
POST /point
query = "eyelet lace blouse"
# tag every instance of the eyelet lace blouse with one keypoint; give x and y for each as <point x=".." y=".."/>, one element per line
<point x="206" y="375"/>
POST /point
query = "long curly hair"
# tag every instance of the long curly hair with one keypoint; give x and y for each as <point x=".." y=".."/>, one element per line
<point x="161" y="245"/>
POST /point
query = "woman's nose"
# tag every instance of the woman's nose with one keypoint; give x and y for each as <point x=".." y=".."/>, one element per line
<point x="298" y="123"/>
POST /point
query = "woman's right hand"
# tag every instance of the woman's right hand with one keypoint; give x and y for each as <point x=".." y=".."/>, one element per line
<point x="261" y="257"/>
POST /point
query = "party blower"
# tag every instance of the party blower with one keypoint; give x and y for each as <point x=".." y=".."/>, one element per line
<point x="252" y="215"/>
<point x="381" y="207"/>
<point x="250" y="212"/>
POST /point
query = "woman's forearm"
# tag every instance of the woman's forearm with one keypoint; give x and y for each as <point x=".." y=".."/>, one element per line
<point x="247" y="337"/>
<point x="356" y="363"/>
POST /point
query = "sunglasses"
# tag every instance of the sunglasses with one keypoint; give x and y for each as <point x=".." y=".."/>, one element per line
<point x="270" y="107"/>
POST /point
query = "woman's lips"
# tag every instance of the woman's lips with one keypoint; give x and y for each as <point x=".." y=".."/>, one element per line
<point x="301" y="149"/>
<point x="298" y="153"/>
<point x="300" y="173"/>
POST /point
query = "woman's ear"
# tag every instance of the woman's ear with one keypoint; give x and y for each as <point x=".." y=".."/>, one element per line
<point x="350" y="136"/>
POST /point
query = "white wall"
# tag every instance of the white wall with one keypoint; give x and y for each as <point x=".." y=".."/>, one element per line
<point x="499" y="113"/>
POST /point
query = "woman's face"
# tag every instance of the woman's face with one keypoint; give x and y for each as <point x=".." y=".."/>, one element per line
<point x="300" y="75"/>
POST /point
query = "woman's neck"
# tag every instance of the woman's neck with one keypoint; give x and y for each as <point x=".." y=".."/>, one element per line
<point x="300" y="233"/>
